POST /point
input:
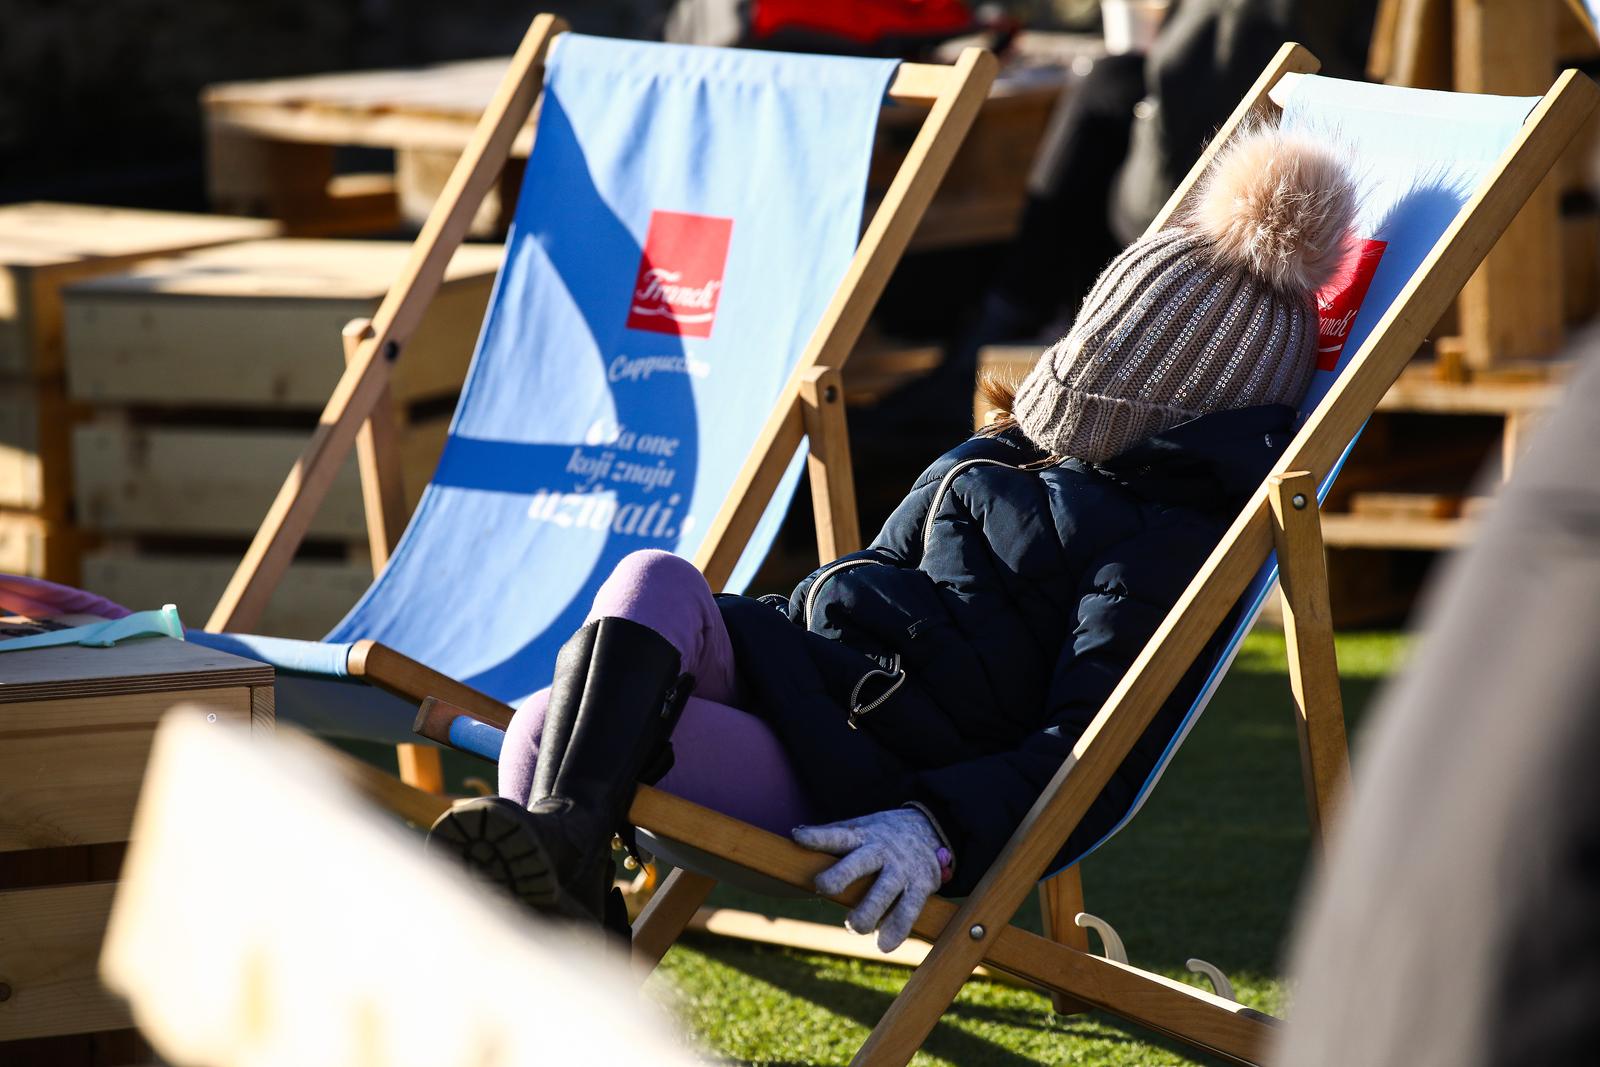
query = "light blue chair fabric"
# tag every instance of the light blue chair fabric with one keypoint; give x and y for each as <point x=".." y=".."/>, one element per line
<point x="1420" y="156"/>
<point x="686" y="217"/>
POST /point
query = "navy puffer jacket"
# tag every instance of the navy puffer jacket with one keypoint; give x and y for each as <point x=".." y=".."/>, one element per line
<point x="976" y="638"/>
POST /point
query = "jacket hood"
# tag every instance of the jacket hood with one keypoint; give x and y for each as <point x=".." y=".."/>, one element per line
<point x="1211" y="463"/>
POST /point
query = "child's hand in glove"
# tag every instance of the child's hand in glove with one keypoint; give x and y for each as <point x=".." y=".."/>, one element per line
<point x="902" y="846"/>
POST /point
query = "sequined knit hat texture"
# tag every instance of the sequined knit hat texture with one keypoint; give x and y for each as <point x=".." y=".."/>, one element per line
<point x="1215" y="312"/>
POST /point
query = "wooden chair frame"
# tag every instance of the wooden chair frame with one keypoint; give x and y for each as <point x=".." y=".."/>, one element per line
<point x="1281" y="515"/>
<point x="359" y="415"/>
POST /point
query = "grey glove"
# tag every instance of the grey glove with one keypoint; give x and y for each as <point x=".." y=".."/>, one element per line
<point x="902" y="846"/>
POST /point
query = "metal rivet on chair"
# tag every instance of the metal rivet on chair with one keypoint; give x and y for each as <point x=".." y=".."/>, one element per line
<point x="5" y="991"/>
<point x="976" y="933"/>
<point x="830" y="394"/>
<point x="1299" y="501"/>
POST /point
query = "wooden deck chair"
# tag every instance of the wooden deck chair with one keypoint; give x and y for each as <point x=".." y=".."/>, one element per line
<point x="685" y="276"/>
<point x="1427" y="225"/>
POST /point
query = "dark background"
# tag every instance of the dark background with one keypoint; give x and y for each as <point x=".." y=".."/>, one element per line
<point x="99" y="98"/>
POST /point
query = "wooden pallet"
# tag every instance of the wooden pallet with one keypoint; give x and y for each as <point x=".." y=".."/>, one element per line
<point x="204" y="374"/>
<point x="43" y="248"/>
<point x="217" y="481"/>
<point x="257" y="325"/>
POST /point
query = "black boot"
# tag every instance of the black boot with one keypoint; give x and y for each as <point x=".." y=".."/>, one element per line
<point x="616" y="695"/>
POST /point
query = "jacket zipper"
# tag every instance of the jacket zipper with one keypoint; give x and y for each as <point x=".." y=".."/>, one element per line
<point x="828" y="572"/>
<point x="944" y="487"/>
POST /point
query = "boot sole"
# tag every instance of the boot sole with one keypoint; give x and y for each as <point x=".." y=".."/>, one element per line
<point x="501" y="849"/>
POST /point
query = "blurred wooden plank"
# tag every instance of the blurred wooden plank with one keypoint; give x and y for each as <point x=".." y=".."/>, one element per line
<point x="1360" y="531"/>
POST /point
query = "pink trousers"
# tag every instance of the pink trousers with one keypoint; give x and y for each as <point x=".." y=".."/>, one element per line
<point x="724" y="758"/>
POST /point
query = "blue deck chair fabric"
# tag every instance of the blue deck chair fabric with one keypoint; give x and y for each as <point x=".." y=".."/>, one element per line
<point x="1421" y="155"/>
<point x="686" y="217"/>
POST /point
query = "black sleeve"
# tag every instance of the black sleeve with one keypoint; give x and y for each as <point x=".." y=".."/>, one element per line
<point x="980" y="802"/>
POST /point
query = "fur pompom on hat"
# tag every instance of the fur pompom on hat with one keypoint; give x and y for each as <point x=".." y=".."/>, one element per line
<point x="1217" y="311"/>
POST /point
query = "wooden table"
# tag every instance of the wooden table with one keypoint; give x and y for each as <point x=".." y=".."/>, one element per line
<point x="75" y="730"/>
<point x="270" y="144"/>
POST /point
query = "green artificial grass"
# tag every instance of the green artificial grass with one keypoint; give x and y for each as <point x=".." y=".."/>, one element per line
<point x="1210" y="868"/>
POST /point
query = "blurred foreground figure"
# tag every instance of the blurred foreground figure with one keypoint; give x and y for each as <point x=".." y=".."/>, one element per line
<point x="267" y="918"/>
<point x="1458" y="919"/>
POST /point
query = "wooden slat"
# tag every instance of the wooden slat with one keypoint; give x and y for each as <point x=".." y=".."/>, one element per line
<point x="49" y="952"/>
<point x="1197" y="1017"/>
<point x="1423" y="393"/>
<point x="149" y="663"/>
<point x="393" y="324"/>
<point x="1060" y="901"/>
<point x="836" y="334"/>
<point x="1423" y="535"/>
<point x="148" y="336"/>
<point x="383" y="500"/>
<point x="405" y="677"/>
<point x="665" y="917"/>
<point x="1203" y="606"/>
<point x="752" y="927"/>
<point x="70" y="769"/>
<point x="216" y="481"/>
<point x="833" y="490"/>
<point x="1308" y="632"/>
<point x="1512" y="308"/>
<point x="1422" y="54"/>
<point x="263" y="711"/>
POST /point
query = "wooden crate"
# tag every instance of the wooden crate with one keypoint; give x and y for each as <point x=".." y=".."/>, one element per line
<point x="218" y="481"/>
<point x="76" y="726"/>
<point x="257" y="325"/>
<point x="45" y="246"/>
<point x="314" y="594"/>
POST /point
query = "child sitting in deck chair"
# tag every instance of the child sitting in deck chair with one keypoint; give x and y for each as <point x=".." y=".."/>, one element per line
<point x="916" y="697"/>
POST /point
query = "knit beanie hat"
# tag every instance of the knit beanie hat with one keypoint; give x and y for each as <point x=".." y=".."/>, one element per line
<point x="1217" y="311"/>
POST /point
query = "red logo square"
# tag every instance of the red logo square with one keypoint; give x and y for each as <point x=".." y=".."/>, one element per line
<point x="680" y="274"/>
<point x="1340" y="301"/>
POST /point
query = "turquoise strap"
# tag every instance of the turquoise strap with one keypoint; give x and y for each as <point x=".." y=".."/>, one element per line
<point x="162" y="623"/>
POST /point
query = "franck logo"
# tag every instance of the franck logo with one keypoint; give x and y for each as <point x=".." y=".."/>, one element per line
<point x="1340" y="300"/>
<point x="680" y="274"/>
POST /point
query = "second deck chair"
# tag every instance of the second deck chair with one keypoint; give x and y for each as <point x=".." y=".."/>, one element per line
<point x="1442" y="175"/>
<point x="684" y="277"/>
